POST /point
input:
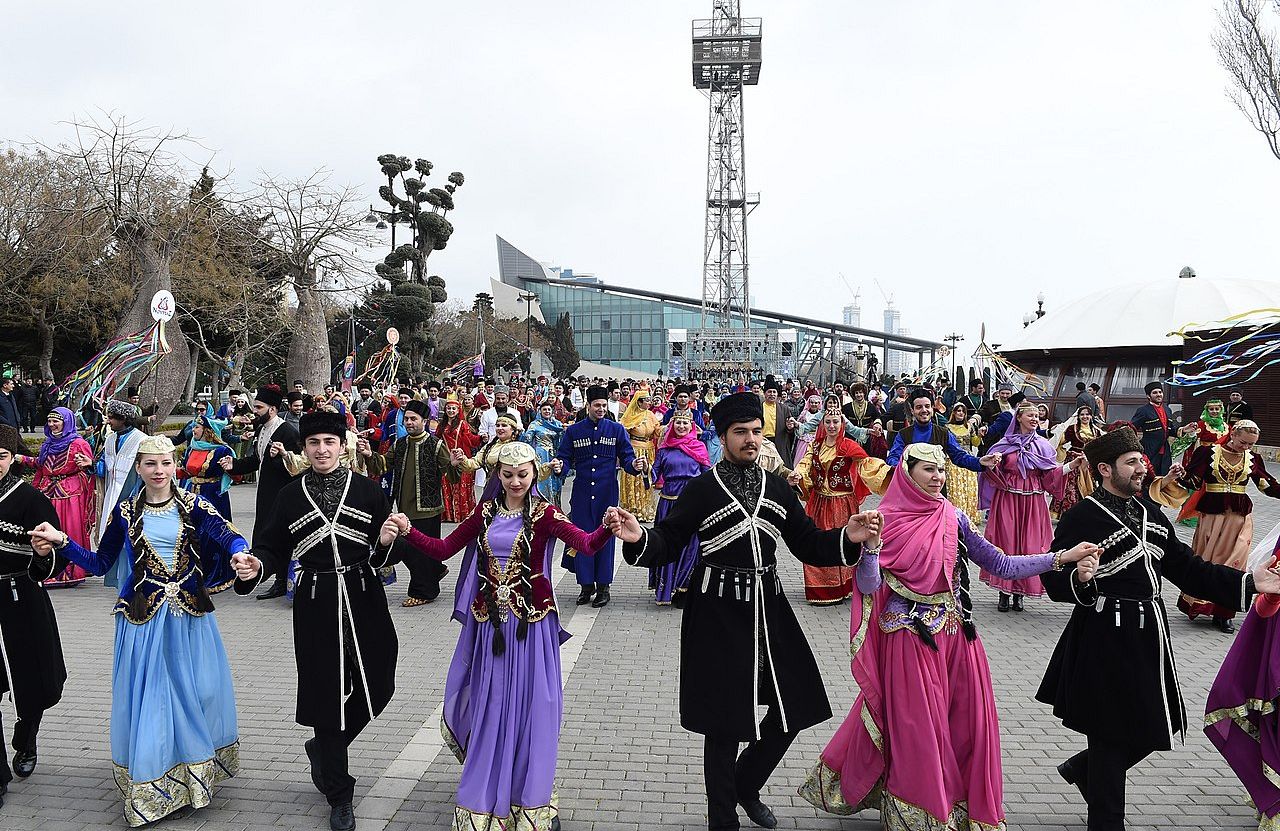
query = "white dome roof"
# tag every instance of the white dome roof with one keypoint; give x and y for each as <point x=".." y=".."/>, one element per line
<point x="1143" y="314"/>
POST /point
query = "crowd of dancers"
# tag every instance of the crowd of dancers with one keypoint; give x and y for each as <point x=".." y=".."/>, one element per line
<point x="702" y="484"/>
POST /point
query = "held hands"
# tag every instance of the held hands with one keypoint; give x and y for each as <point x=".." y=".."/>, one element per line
<point x="624" y="525"/>
<point x="276" y="448"/>
<point x="640" y="464"/>
<point x="794" y="479"/>
<point x="1265" y="579"/>
<point x="225" y="463"/>
<point x="246" y="565"/>
<point x="557" y="465"/>
<point x="990" y="460"/>
<point x="83" y="460"/>
<point x="363" y="448"/>
<point x="865" y="528"/>
<point x="1085" y="555"/>
<point x="45" y="538"/>
<point x="396" y="525"/>
<point x="1175" y="473"/>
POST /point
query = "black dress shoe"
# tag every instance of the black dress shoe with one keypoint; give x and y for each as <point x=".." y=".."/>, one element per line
<point x="1224" y="624"/>
<point x="1017" y="603"/>
<point x="342" y="817"/>
<point x="760" y="814"/>
<point x="1068" y="773"/>
<point x="555" y="823"/>
<point x="584" y="597"/>
<point x="277" y="589"/>
<point x="314" y="757"/>
<point x="24" y="763"/>
<point x="1003" y="605"/>
<point x="602" y="598"/>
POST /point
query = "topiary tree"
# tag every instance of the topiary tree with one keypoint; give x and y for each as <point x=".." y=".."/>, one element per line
<point x="410" y="302"/>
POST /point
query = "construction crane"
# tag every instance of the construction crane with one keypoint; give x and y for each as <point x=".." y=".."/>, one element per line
<point x="888" y="298"/>
<point x="857" y="295"/>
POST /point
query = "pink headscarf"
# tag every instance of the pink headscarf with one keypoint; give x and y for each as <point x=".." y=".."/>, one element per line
<point x="918" y="548"/>
<point x="689" y="444"/>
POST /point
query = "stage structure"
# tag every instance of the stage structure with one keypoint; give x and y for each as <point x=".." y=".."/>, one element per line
<point x="726" y="60"/>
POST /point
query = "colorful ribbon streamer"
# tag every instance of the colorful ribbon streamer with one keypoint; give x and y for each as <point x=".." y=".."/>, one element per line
<point x="1239" y="359"/>
<point x="115" y="366"/>
<point x="1006" y="372"/>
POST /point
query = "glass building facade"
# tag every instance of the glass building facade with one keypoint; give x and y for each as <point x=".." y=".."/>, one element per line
<point x="610" y="326"/>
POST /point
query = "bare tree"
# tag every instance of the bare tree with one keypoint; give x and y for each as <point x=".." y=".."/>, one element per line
<point x="318" y="231"/>
<point x="1247" y="49"/>
<point x="56" y="277"/>
<point x="133" y="179"/>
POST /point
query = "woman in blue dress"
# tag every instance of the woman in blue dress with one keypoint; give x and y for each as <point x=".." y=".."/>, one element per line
<point x="544" y="435"/>
<point x="201" y="471"/>
<point x="173" y="712"/>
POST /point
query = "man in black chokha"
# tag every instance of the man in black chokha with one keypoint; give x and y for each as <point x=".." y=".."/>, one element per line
<point x="741" y="647"/>
<point x="334" y="523"/>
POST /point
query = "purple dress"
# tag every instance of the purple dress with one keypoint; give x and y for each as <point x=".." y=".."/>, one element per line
<point x="675" y="468"/>
<point x="502" y="714"/>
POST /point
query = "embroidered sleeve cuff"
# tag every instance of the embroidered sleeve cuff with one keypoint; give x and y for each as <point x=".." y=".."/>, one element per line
<point x="1086" y="594"/>
<point x="850" y="552"/>
<point x="632" y="552"/>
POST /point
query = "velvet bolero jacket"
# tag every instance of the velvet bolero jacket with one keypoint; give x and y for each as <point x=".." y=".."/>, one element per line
<point x="205" y="545"/>
<point x="549" y="525"/>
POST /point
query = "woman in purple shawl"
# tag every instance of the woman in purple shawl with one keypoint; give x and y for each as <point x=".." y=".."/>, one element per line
<point x="62" y="474"/>
<point x="503" y="701"/>
<point x="1016" y="493"/>
<point x="1240" y="716"/>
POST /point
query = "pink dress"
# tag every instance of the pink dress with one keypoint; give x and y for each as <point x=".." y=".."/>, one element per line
<point x="922" y="741"/>
<point x="70" y="489"/>
<point x="1018" y="520"/>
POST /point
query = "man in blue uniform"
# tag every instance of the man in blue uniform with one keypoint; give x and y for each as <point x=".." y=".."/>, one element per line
<point x="594" y="449"/>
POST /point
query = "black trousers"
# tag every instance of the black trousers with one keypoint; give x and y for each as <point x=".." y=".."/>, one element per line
<point x="424" y="572"/>
<point x="338" y="785"/>
<point x="24" y="738"/>
<point x="1102" y="770"/>
<point x="732" y="778"/>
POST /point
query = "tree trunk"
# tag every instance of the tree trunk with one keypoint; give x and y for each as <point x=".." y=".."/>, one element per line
<point x="168" y="378"/>
<point x="191" y="378"/>
<point x="309" y="358"/>
<point x="45" y="332"/>
<point x="236" y="379"/>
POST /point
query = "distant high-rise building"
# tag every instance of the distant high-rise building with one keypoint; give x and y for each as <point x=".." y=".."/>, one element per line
<point x="899" y="362"/>
<point x="851" y="316"/>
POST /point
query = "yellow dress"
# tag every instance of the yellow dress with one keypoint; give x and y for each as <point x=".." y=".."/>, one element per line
<point x="962" y="484"/>
<point x="645" y="429"/>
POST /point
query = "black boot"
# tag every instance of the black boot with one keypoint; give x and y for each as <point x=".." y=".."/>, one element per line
<point x="1223" y="624"/>
<point x="584" y="597"/>
<point x="1069" y="775"/>
<point x="277" y="589"/>
<point x="602" y="597"/>
<point x="1017" y="603"/>
<point x="342" y="817"/>
<point x="313" y="756"/>
<point x="1003" y="605"/>
<point x="760" y="814"/>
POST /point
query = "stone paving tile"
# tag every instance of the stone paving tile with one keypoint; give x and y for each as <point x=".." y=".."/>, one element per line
<point x="624" y="761"/>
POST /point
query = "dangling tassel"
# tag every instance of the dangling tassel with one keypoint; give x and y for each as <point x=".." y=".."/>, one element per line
<point x="924" y="633"/>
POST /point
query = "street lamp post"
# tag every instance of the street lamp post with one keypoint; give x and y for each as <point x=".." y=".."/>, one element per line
<point x="527" y="297"/>
<point x="954" y="338"/>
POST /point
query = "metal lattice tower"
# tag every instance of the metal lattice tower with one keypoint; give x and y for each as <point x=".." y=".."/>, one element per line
<point x="726" y="58"/>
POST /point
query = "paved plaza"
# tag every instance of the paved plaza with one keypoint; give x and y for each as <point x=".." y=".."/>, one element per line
<point x="625" y="764"/>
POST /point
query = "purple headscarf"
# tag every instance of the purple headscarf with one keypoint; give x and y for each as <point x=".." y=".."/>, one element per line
<point x="54" y="445"/>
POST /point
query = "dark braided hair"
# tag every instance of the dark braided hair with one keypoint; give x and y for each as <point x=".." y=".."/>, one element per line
<point x="487" y="591"/>
<point x="526" y="564"/>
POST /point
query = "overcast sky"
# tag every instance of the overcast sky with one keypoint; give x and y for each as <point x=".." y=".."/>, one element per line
<point x="968" y="155"/>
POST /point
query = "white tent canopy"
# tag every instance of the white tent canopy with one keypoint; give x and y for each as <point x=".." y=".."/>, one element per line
<point x="1143" y="314"/>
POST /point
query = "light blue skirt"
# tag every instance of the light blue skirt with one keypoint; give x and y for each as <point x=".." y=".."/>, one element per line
<point x="173" y="714"/>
